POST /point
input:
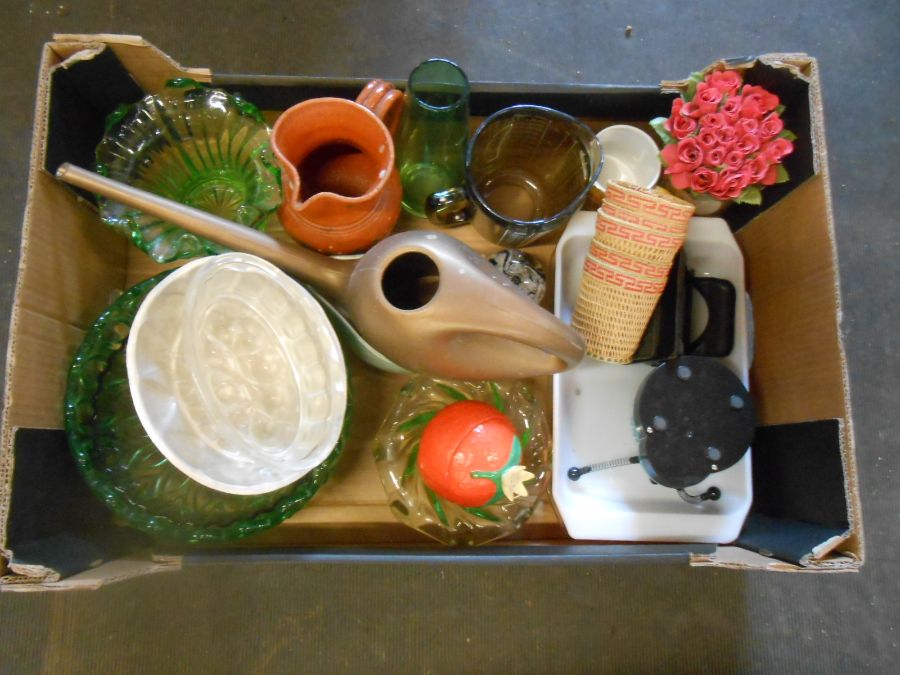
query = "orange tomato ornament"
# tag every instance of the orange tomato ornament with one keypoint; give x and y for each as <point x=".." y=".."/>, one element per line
<point x="470" y="455"/>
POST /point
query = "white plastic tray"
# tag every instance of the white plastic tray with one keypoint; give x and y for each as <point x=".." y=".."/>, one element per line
<point x="593" y="416"/>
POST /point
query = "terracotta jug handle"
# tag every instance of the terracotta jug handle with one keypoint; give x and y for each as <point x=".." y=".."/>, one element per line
<point x="384" y="100"/>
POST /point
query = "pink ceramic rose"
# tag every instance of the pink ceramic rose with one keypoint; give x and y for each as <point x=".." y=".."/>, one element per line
<point x="777" y="149"/>
<point x="734" y="159"/>
<point x="727" y="136"/>
<point x="751" y="107"/>
<point x="758" y="167"/>
<point x="669" y="155"/>
<point x="707" y="139"/>
<point x="731" y="109"/>
<point x="712" y="121"/>
<point x="771" y="175"/>
<point x="681" y="161"/>
<point x="691" y="110"/>
<point x="703" y="179"/>
<point x="726" y="81"/>
<point x="771" y="126"/>
<point x="681" y="180"/>
<point x="686" y="156"/>
<point x="683" y="126"/>
<point x="747" y="144"/>
<point x="689" y="154"/>
<point x="714" y="157"/>
<point x="767" y="100"/>
<point x="677" y="105"/>
<point x="747" y="125"/>
<point x="707" y="98"/>
<point x="730" y="184"/>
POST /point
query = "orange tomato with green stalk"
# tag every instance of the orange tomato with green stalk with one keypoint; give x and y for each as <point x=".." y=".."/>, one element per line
<point x="470" y="455"/>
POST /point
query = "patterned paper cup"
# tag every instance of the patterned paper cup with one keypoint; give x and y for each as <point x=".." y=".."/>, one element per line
<point x="637" y="234"/>
<point x="639" y="251"/>
<point x="622" y="278"/>
<point x="627" y="264"/>
<point x="611" y="312"/>
<point x="652" y="221"/>
<point x="648" y="202"/>
<point x="626" y="269"/>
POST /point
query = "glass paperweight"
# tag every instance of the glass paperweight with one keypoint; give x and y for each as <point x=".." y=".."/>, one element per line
<point x="127" y="472"/>
<point x="464" y="462"/>
<point x="199" y="146"/>
<point x="523" y="270"/>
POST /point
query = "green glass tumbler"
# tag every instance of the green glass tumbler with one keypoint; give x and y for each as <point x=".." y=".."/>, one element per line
<point x="431" y="144"/>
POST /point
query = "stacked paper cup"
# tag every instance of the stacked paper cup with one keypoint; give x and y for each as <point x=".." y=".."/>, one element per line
<point x="638" y="233"/>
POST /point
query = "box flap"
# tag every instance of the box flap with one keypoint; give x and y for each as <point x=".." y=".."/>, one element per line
<point x="92" y="579"/>
<point x="83" y="92"/>
<point x="149" y="66"/>
<point x="734" y="557"/>
<point x="97" y="74"/>
<point x="799" y="372"/>
<point x="55" y="522"/>
<point x="58" y="296"/>
<point x="800" y="509"/>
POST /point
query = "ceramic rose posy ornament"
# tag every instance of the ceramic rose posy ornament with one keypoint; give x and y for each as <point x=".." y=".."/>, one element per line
<point x="724" y="138"/>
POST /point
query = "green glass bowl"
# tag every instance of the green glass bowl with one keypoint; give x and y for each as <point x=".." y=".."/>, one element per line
<point x="199" y="146"/>
<point x="128" y="473"/>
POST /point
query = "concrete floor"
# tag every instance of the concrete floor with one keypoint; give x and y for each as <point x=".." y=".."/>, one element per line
<point x="611" y="617"/>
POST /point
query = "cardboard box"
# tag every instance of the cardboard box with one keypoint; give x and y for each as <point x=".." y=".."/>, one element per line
<point x="55" y="534"/>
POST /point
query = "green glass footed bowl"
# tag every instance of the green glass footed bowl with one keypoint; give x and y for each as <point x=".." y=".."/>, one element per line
<point x="417" y="505"/>
<point x="126" y="471"/>
<point x="199" y="146"/>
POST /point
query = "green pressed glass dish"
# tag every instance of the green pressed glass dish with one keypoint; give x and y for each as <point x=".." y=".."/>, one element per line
<point x="199" y="146"/>
<point x="128" y="473"/>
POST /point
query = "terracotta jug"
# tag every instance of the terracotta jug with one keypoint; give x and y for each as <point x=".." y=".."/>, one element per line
<point x="342" y="192"/>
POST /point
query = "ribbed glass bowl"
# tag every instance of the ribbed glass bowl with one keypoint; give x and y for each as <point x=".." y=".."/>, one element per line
<point x="126" y="471"/>
<point x="199" y="146"/>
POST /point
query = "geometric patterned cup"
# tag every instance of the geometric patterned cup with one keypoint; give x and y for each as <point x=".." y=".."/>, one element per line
<point x="639" y="251"/>
<point x="642" y="219"/>
<point x="612" y="311"/>
<point x="604" y="255"/>
<point x="638" y="234"/>
<point x="649" y="202"/>
<point x="663" y="240"/>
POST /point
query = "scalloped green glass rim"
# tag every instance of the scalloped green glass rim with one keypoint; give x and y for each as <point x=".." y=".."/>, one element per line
<point x="183" y="85"/>
<point x="100" y="343"/>
<point x="245" y="107"/>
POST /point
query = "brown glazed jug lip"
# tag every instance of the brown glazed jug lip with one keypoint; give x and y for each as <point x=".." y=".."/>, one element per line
<point x="292" y="170"/>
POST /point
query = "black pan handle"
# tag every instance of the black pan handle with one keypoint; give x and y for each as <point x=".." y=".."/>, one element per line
<point x="717" y="339"/>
